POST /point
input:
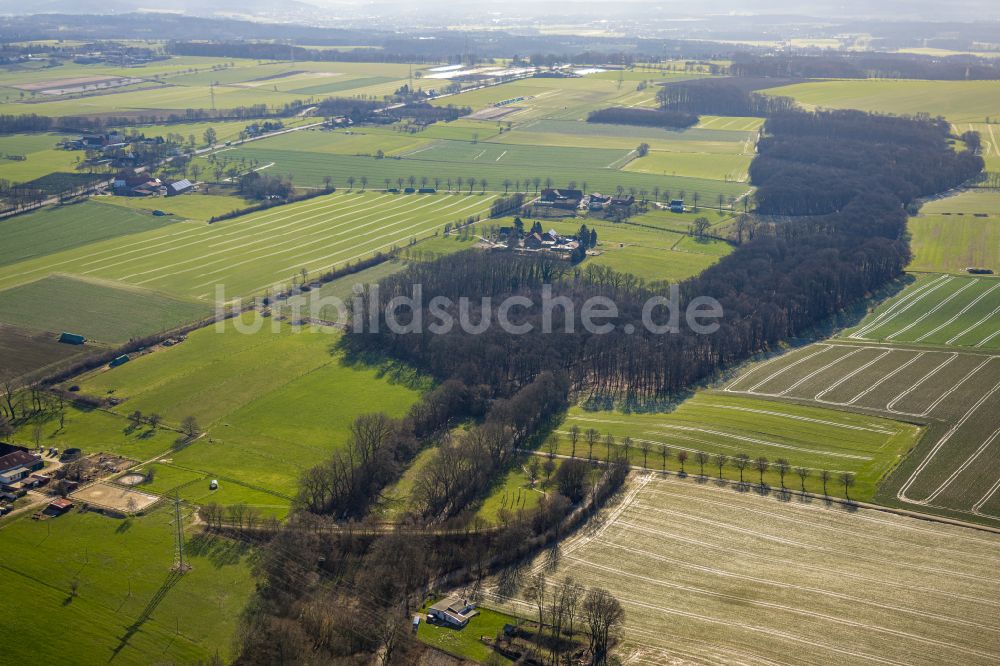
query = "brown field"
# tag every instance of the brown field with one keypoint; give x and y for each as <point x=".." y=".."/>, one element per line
<point x="711" y="576"/>
<point x="24" y="351"/>
<point x="77" y="84"/>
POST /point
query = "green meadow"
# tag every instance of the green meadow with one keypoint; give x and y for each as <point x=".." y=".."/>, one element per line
<point x="272" y="402"/>
<point x="128" y="607"/>
<point x="111" y="314"/>
<point x="191" y="206"/>
<point x="652" y="254"/>
<point x="957" y="232"/>
<point x="958" y="101"/>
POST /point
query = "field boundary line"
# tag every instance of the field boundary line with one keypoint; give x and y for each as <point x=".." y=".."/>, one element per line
<point x="974" y="326"/>
<point x="362" y="220"/>
<point x="850" y="375"/>
<point x="965" y="464"/>
<point x="798" y="417"/>
<point x="881" y="381"/>
<point x="959" y="314"/>
<point x="824" y="348"/>
<point x="784" y="541"/>
<point x="795" y="586"/>
<point x="900" y="306"/>
<point x="799" y="515"/>
<point x="826" y="367"/>
<point x="984" y="499"/>
<point x="890" y="406"/>
<point x="261" y="238"/>
<point x="948" y="299"/>
<point x="954" y="388"/>
<point x="901" y="493"/>
<point x="787" y="609"/>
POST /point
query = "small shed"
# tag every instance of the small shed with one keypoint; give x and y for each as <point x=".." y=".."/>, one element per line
<point x="61" y="505"/>
<point x="72" y="338"/>
<point x="118" y="360"/>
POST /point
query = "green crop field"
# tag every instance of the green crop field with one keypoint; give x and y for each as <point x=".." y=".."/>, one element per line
<point x="816" y="438"/>
<point x="449" y="160"/>
<point x="958" y="101"/>
<point x="128" y="605"/>
<point x="697" y="165"/>
<point x="39" y="234"/>
<point x="273" y="402"/>
<point x="109" y="313"/>
<point x="251" y="253"/>
<point x="710" y="575"/>
<point x="940" y="310"/>
<point x="580" y="134"/>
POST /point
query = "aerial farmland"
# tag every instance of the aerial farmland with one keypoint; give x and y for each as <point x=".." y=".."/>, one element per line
<point x="536" y="339"/>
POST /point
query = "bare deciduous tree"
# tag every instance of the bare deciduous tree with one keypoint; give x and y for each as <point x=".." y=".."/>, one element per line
<point x="605" y="616"/>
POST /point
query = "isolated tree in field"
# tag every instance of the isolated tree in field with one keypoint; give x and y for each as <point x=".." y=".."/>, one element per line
<point x="847" y="480"/>
<point x="574" y="437"/>
<point x="190" y="428"/>
<point x="720" y="461"/>
<point x="782" y="466"/>
<point x="605" y="616"/>
<point x="741" y="462"/>
<point x="664" y="454"/>
<point x="761" y="464"/>
<point x="824" y="476"/>
<point x="700" y="226"/>
<point x="644" y="447"/>
<point x="364" y="183"/>
<point x="702" y="459"/>
<point x="350" y="181"/>
<point x="803" y="473"/>
<point x="482" y="185"/>
<point x="682" y="457"/>
<point x="609" y="443"/>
